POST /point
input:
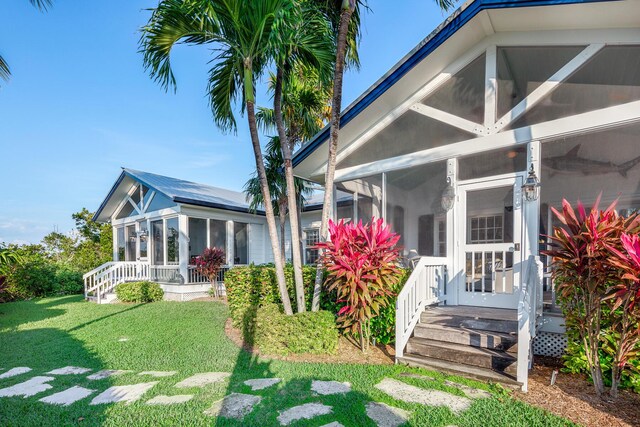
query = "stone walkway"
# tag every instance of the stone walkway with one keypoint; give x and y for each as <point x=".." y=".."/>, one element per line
<point x="239" y="405"/>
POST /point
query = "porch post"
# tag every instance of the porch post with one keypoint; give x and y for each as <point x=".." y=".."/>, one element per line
<point x="183" y="247"/>
<point x="231" y="250"/>
<point x="454" y="285"/>
<point x="531" y="226"/>
<point x="115" y="243"/>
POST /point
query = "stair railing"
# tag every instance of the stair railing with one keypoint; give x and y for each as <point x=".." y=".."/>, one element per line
<point x="105" y="278"/>
<point x="529" y="310"/>
<point x="426" y="286"/>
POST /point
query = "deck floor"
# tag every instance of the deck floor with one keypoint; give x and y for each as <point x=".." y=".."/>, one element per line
<point x="476" y="312"/>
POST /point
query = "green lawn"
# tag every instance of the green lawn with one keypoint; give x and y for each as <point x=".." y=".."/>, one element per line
<point x="189" y="338"/>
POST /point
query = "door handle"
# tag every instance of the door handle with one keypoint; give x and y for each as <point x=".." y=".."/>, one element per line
<point x="515" y="247"/>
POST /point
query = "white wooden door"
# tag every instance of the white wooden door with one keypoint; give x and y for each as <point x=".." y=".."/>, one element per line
<point x="490" y="254"/>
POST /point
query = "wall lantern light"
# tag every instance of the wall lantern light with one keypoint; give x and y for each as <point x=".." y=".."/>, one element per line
<point x="142" y="233"/>
<point x="448" y="196"/>
<point x="531" y="187"/>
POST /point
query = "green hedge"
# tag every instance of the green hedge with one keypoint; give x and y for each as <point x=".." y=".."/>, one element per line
<point x="139" y="292"/>
<point x="37" y="278"/>
<point x="309" y="332"/>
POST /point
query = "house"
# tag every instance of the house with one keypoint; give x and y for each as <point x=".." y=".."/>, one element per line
<point x="160" y="224"/>
<point x="450" y="146"/>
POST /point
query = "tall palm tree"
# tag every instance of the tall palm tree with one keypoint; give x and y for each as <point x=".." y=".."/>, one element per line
<point x="5" y="72"/>
<point x="240" y="32"/>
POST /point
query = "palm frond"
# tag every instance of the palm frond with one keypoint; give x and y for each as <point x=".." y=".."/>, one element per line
<point x="224" y="88"/>
<point x="42" y="4"/>
<point x="5" y="72"/>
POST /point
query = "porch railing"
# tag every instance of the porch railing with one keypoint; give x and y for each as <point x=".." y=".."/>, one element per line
<point x="426" y="286"/>
<point x="195" y="277"/>
<point x="530" y="307"/>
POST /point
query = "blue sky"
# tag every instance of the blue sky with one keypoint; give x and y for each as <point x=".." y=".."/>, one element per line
<point x="79" y="106"/>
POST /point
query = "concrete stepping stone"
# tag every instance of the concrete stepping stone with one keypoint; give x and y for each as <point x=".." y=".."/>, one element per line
<point x="68" y="396"/>
<point x="106" y="373"/>
<point x="69" y="370"/>
<point x="15" y="372"/>
<point x="411" y="394"/>
<point x="385" y="415"/>
<point x="28" y="388"/>
<point x="303" y="412"/>
<point x="416" y="376"/>
<point x="123" y="393"/>
<point x="158" y="374"/>
<point x="326" y="388"/>
<point x="333" y="424"/>
<point x="262" y="383"/>
<point x="170" y="400"/>
<point x="205" y="378"/>
<point x="235" y="405"/>
<point x="470" y="392"/>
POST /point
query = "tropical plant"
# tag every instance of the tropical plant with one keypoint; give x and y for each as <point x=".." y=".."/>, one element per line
<point x="140" y="292"/>
<point x="209" y="265"/>
<point x="8" y="258"/>
<point x="241" y="33"/>
<point x="361" y="262"/>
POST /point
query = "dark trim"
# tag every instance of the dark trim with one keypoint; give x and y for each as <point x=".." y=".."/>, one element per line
<point x="222" y="206"/>
<point x="456" y="21"/>
<point x="113" y="190"/>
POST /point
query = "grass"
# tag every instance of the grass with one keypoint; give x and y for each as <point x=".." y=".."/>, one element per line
<point x="189" y="338"/>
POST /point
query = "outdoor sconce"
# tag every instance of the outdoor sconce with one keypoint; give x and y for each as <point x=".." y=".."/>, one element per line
<point x="531" y="187"/>
<point x="448" y="196"/>
<point x="142" y="233"/>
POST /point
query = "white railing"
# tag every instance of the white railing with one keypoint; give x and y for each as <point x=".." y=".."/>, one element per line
<point x="425" y="286"/>
<point x="105" y="278"/>
<point x="194" y="276"/>
<point x="529" y="310"/>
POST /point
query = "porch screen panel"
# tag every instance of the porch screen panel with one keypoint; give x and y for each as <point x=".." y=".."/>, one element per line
<point x="368" y="195"/>
<point x="157" y="238"/>
<point x="127" y="210"/>
<point x="131" y="243"/>
<point x="120" y="244"/>
<point x="241" y="243"/>
<point x="197" y="237"/>
<point x="414" y="208"/>
<point x="345" y="206"/>
<point x="218" y="234"/>
<point x="491" y="163"/>
<point x="173" y="234"/>
<point x="610" y="78"/>
<point x="142" y="226"/>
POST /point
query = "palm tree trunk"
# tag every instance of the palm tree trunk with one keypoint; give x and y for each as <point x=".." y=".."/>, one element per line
<point x="348" y="6"/>
<point x="283" y="220"/>
<point x="266" y="194"/>
<point x="291" y="194"/>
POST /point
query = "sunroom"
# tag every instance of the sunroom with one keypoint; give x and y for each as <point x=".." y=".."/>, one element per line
<point x="160" y="224"/>
<point x="466" y="144"/>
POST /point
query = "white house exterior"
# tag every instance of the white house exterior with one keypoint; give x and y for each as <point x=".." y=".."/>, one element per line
<point x="441" y="147"/>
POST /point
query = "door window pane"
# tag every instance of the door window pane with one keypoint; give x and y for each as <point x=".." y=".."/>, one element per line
<point x="240" y="243"/>
<point x="142" y="226"/>
<point x="218" y="237"/>
<point x="197" y="237"/>
<point x="131" y="243"/>
<point x="490" y="215"/>
<point x="120" y="244"/>
<point x="173" y="247"/>
<point x="157" y="236"/>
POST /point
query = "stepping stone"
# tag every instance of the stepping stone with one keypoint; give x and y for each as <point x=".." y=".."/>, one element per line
<point x="385" y="415"/>
<point x="200" y="380"/>
<point x="333" y="424"/>
<point x="326" y="388"/>
<point x="123" y="393"/>
<point x="68" y="396"/>
<point x="15" y="372"/>
<point x="28" y="388"/>
<point x="411" y="394"/>
<point x="69" y="370"/>
<point x="106" y="374"/>
<point x="158" y="374"/>
<point x="170" y="400"/>
<point x="235" y="405"/>
<point x="262" y="383"/>
<point x="416" y="376"/>
<point x="303" y="412"/>
<point x="470" y="392"/>
<point x="123" y="339"/>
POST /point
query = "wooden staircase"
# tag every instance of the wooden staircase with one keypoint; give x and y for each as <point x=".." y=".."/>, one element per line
<point x="476" y="342"/>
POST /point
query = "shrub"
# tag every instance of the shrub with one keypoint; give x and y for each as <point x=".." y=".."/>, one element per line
<point x="68" y="281"/>
<point x="361" y="262"/>
<point x="139" y="292"/>
<point x="308" y="332"/>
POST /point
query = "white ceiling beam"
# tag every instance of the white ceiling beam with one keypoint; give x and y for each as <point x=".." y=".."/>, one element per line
<point x="490" y="86"/>
<point x="448" y="118"/>
<point x="547" y="87"/>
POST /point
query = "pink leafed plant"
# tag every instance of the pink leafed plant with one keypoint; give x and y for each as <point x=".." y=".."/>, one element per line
<point x="209" y="265"/>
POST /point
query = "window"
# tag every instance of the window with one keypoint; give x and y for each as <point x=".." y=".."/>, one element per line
<point x="144" y="235"/>
<point x="173" y="246"/>
<point x="495" y="162"/>
<point x="486" y="229"/>
<point x="157" y="237"/>
<point x="197" y="237"/>
<point x="131" y="243"/>
<point x="120" y="244"/>
<point x="218" y="234"/>
<point x="126" y="211"/>
<point x="240" y="243"/>
<point x="312" y="238"/>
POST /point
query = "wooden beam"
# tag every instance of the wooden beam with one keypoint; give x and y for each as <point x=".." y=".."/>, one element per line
<point x="448" y="118"/>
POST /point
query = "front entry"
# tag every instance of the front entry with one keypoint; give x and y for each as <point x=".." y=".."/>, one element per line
<point x="489" y="235"/>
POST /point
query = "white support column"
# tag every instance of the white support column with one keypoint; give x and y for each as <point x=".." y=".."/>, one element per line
<point x="448" y="118"/>
<point x="383" y="209"/>
<point x="183" y="247"/>
<point x="231" y="250"/>
<point x="531" y="225"/>
<point x="490" y="88"/>
<point x="453" y="285"/>
<point x="115" y="243"/>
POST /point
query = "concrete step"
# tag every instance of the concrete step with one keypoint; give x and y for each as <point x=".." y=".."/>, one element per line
<point x="464" y="336"/>
<point x="469" y="322"/>
<point x="465" y="371"/>
<point x="495" y="360"/>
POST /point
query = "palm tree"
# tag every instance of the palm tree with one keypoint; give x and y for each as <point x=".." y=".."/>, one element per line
<point x="240" y="32"/>
<point x="5" y="72"/>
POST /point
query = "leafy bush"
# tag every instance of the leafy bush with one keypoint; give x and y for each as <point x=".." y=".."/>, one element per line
<point x="68" y="281"/>
<point x="308" y="332"/>
<point x="361" y="262"/>
<point x="139" y="292"/>
<point x="383" y="326"/>
<point x="209" y="265"/>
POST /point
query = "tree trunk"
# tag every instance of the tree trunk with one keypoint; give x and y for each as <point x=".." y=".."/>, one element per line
<point x="266" y="194"/>
<point x="283" y="220"/>
<point x="336" y="107"/>
<point x="291" y="194"/>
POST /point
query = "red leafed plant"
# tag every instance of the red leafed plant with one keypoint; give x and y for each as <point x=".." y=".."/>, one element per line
<point x="209" y="265"/>
<point x="361" y="262"/>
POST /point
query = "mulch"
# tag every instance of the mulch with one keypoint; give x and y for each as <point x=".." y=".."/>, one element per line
<point x="574" y="398"/>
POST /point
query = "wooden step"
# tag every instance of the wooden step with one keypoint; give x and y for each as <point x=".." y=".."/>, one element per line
<point x="466" y="371"/>
<point x="495" y="360"/>
<point x="471" y="337"/>
<point x="484" y="322"/>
